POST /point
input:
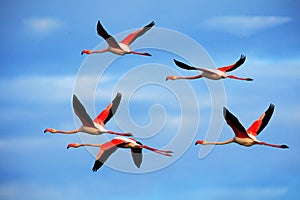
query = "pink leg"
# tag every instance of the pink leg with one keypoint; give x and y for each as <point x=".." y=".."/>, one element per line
<point x="142" y="54"/>
<point x="244" y="79"/>
<point x="120" y="134"/>
<point x="163" y="152"/>
<point x="274" y="145"/>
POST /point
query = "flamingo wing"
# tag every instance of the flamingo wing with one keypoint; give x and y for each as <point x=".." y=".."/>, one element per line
<point x="137" y="155"/>
<point x="110" y="110"/>
<point x="133" y="36"/>
<point x="184" y="66"/>
<point x="262" y="121"/>
<point x="81" y="113"/>
<point x="103" y="156"/>
<point x="234" y="65"/>
<point x="234" y="123"/>
<point x="108" y="38"/>
<point x="106" y="150"/>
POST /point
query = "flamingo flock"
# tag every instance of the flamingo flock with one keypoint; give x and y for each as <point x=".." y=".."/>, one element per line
<point x="96" y="127"/>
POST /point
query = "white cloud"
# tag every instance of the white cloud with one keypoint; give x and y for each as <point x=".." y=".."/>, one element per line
<point x="244" y="25"/>
<point x="41" y="27"/>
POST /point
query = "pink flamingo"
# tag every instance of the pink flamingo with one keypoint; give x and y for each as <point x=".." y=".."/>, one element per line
<point x="89" y="126"/>
<point x="121" y="48"/>
<point x="217" y="74"/>
<point x="110" y="147"/>
<point x="243" y="137"/>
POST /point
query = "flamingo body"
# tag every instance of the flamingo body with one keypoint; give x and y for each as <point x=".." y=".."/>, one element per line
<point x="108" y="148"/>
<point x="246" y="137"/>
<point x="213" y="74"/>
<point x="96" y="126"/>
<point x="244" y="141"/>
<point x="123" y="47"/>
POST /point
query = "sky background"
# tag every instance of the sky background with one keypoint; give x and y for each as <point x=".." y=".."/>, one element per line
<point x="40" y="57"/>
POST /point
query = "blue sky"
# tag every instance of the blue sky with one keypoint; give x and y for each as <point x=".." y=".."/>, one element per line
<point x="40" y="58"/>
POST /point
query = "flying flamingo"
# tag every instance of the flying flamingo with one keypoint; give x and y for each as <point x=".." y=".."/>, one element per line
<point x="121" y="48"/>
<point x="217" y="74"/>
<point x="89" y="126"/>
<point x="110" y="147"/>
<point x="243" y="137"/>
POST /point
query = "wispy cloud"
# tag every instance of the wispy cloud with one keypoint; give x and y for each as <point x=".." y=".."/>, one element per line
<point x="42" y="26"/>
<point x="37" y="88"/>
<point x="241" y="193"/>
<point x="244" y="25"/>
<point x="48" y="88"/>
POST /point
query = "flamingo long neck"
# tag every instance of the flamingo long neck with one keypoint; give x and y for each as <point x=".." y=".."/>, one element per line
<point x="91" y="145"/>
<point x="238" y="78"/>
<point x="219" y="143"/>
<point x="189" y="77"/>
<point x="100" y="51"/>
<point x="67" y="132"/>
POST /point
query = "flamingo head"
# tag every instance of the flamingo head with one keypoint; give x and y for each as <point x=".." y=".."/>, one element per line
<point x="249" y="79"/>
<point x="86" y="52"/>
<point x="51" y="130"/>
<point x="171" y="77"/>
<point x="74" y="145"/>
<point x="200" y="142"/>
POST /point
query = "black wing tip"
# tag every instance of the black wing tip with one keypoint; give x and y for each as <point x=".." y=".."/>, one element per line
<point x="119" y="94"/>
<point x="97" y="165"/>
<point x="177" y="62"/>
<point x="150" y="24"/>
<point x="225" y="110"/>
<point x="243" y="57"/>
<point x="271" y="108"/>
<point x="75" y="98"/>
<point x="117" y="98"/>
<point x="99" y="24"/>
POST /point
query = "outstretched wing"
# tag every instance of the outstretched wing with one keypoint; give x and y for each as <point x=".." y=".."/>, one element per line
<point x="108" y="38"/>
<point x="234" y="123"/>
<point x="81" y="113"/>
<point x="103" y="156"/>
<point x="262" y="121"/>
<point x="133" y="36"/>
<point x="184" y="66"/>
<point x="110" y="110"/>
<point x="137" y="155"/>
<point x="234" y="65"/>
<point x="105" y="152"/>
